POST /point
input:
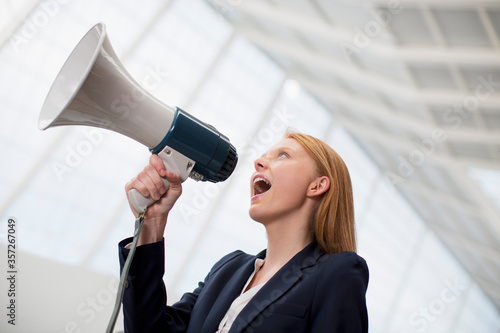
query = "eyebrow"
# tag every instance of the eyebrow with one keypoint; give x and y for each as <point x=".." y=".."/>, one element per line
<point x="277" y="149"/>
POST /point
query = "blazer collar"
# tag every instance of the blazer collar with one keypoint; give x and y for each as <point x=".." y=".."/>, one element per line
<point x="231" y="290"/>
<point x="278" y="285"/>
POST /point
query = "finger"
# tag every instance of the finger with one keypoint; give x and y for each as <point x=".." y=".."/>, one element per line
<point x="158" y="164"/>
<point x="138" y="185"/>
<point x="157" y="181"/>
<point x="175" y="182"/>
<point x="174" y="179"/>
<point x="141" y="183"/>
<point x="149" y="179"/>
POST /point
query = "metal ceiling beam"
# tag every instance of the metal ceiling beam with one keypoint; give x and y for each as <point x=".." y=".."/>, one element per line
<point x="467" y="244"/>
<point x="357" y="76"/>
<point x="486" y="256"/>
<point x="404" y="146"/>
<point x="461" y="254"/>
<point x="444" y="4"/>
<point x="434" y="26"/>
<point x="457" y="75"/>
<point x="480" y="199"/>
<point x="490" y="288"/>
<point x="429" y="55"/>
<point x="476" y="269"/>
<point x="479" y="271"/>
<point x="294" y="21"/>
<point x="488" y="26"/>
<point x="401" y="120"/>
<point x="440" y="197"/>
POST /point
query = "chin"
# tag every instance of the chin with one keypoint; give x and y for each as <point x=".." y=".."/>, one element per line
<point x="260" y="216"/>
<point x="254" y="215"/>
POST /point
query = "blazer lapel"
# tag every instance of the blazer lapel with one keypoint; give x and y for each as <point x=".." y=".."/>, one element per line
<point x="231" y="290"/>
<point x="277" y="286"/>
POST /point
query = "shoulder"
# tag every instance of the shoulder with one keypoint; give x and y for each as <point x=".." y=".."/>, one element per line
<point x="236" y="258"/>
<point x="344" y="261"/>
<point x="346" y="269"/>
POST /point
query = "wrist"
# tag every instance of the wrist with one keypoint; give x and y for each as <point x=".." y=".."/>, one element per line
<point x="152" y="231"/>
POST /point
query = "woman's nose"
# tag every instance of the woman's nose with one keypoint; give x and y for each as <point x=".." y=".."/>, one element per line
<point x="260" y="163"/>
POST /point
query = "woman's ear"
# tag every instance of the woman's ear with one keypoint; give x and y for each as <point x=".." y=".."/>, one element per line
<point x="319" y="186"/>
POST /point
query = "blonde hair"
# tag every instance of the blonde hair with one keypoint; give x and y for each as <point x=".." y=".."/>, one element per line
<point x="333" y="224"/>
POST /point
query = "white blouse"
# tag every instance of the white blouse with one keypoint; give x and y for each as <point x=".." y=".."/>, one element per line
<point x="241" y="301"/>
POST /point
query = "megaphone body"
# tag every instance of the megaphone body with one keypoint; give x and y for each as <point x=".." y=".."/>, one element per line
<point x="94" y="89"/>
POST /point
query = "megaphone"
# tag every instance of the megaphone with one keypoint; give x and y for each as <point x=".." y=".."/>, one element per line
<point x="91" y="89"/>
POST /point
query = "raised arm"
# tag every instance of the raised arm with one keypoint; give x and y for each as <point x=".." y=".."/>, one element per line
<point x="144" y="302"/>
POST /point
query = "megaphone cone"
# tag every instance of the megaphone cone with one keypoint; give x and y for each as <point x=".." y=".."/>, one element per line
<point x="94" y="89"/>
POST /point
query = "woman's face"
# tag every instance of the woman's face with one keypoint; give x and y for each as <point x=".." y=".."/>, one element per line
<point x="279" y="186"/>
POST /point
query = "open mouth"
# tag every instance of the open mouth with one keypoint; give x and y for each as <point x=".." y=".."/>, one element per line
<point x="261" y="185"/>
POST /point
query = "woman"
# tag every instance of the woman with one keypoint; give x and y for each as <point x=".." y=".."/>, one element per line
<point x="309" y="279"/>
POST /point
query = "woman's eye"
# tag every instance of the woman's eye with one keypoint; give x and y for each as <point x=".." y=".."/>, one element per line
<point x="282" y="154"/>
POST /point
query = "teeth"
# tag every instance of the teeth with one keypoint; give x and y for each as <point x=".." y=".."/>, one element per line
<point x="261" y="185"/>
<point x="260" y="179"/>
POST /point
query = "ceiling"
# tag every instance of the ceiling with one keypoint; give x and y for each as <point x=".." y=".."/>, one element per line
<point x="417" y="84"/>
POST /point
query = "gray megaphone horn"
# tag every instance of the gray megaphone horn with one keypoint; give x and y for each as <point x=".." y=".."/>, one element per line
<point x="89" y="90"/>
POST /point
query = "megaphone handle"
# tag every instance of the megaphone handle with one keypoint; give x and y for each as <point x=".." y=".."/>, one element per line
<point x="141" y="202"/>
<point x="175" y="162"/>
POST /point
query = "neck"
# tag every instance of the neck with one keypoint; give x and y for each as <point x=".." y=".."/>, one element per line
<point x="285" y="240"/>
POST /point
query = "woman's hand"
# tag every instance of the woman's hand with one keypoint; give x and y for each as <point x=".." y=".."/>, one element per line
<point x="149" y="183"/>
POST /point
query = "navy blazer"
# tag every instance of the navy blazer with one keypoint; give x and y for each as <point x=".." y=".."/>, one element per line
<point x="313" y="292"/>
